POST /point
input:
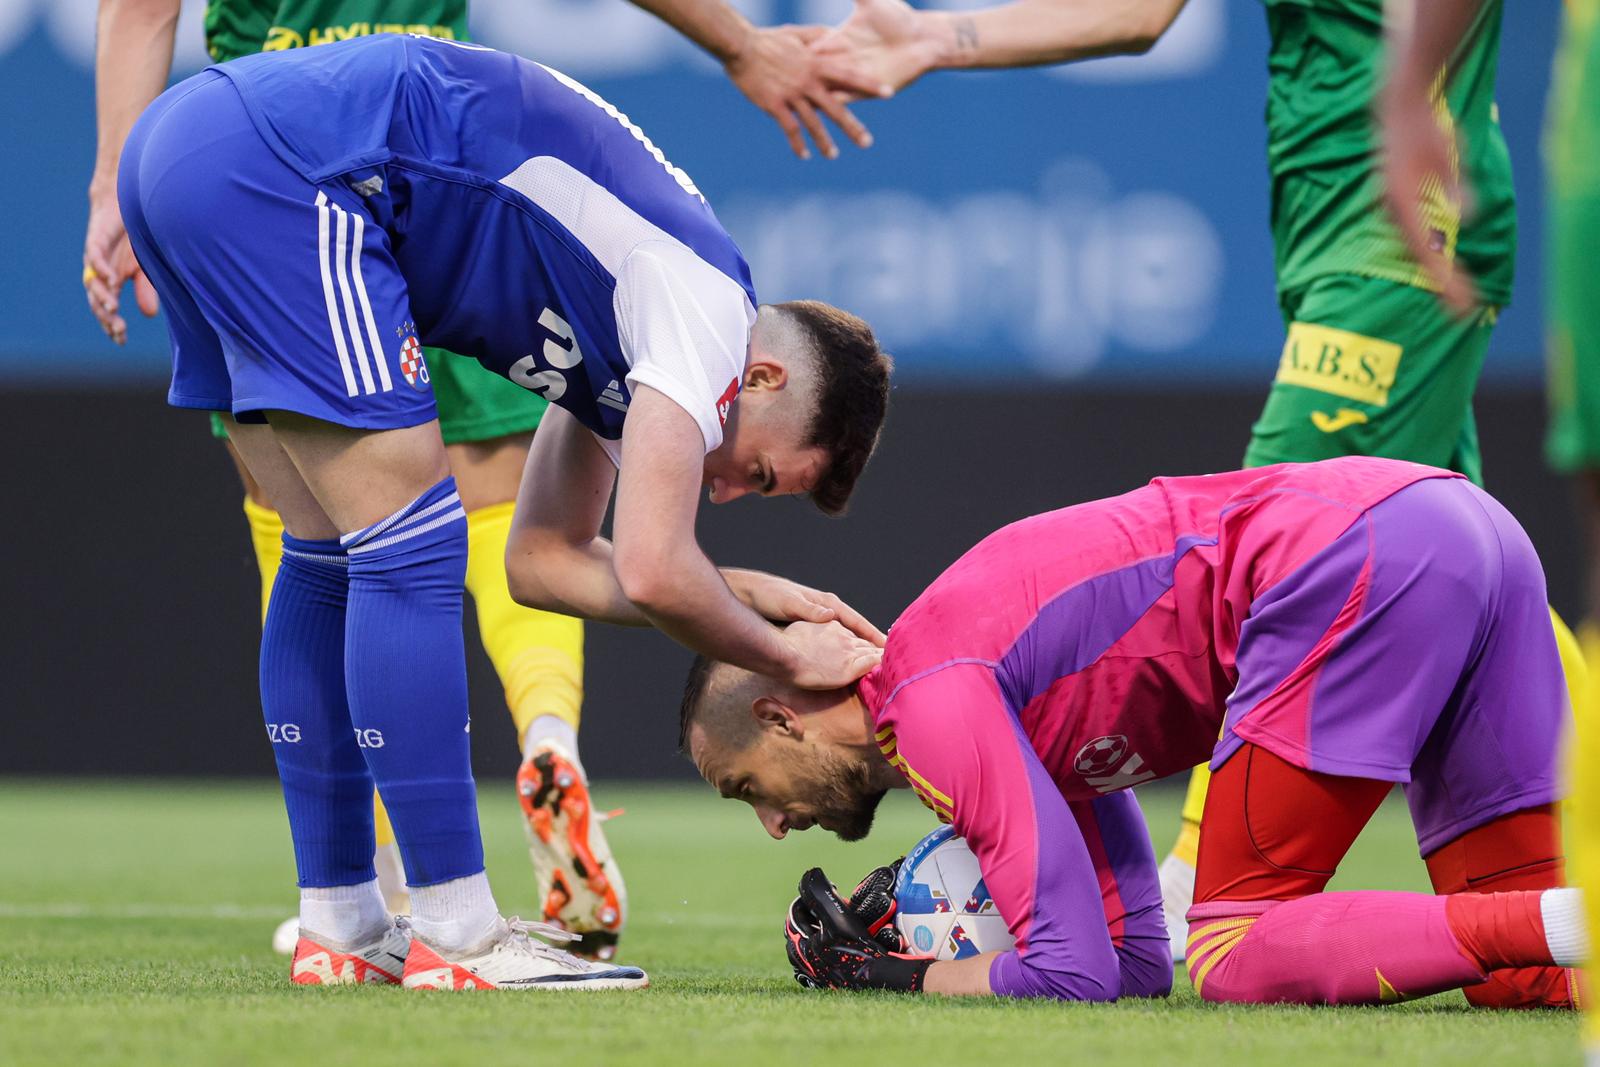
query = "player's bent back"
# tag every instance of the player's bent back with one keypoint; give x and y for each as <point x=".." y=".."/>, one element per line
<point x="324" y="208"/>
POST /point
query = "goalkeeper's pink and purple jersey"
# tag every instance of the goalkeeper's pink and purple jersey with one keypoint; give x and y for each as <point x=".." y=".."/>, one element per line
<point x="1077" y="653"/>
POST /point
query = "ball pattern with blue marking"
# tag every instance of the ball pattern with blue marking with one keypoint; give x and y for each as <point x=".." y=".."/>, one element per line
<point x="944" y="908"/>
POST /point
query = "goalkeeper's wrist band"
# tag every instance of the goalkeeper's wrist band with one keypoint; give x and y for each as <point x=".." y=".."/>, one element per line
<point x="904" y="974"/>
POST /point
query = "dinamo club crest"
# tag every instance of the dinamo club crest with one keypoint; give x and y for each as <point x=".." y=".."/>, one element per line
<point x="412" y="365"/>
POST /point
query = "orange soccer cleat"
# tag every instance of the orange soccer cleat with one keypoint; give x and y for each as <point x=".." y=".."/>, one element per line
<point x="378" y="963"/>
<point x="580" y="888"/>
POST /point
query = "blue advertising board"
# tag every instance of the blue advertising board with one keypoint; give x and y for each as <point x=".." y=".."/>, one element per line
<point x="1106" y="221"/>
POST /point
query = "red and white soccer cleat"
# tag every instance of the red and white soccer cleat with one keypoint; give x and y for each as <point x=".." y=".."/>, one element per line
<point x="380" y="963"/>
<point x="580" y="888"/>
<point x="516" y="959"/>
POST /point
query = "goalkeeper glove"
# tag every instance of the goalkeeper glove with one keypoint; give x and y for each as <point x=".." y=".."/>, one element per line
<point x="874" y="904"/>
<point x="831" y="947"/>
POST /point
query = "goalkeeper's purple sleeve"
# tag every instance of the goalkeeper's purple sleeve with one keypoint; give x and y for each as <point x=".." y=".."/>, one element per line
<point x="967" y="757"/>
<point x="1114" y="830"/>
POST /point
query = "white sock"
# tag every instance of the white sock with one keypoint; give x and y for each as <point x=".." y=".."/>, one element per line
<point x="1565" y="932"/>
<point x="392" y="878"/>
<point x="553" y="730"/>
<point x="455" y="915"/>
<point x="348" y="916"/>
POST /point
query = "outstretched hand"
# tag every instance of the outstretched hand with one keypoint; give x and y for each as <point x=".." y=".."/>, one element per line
<point x="782" y="75"/>
<point x="108" y="263"/>
<point x="888" y="42"/>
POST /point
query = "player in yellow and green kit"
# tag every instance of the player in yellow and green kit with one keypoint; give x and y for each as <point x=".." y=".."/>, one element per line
<point x="486" y="421"/>
<point x="1371" y="365"/>
<point x="1417" y="154"/>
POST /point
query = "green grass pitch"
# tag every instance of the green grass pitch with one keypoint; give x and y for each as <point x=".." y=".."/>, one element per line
<point x="134" y="926"/>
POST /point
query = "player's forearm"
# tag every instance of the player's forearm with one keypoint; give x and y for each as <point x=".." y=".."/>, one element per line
<point x="579" y="580"/>
<point x="1030" y="33"/>
<point x="961" y="978"/>
<point x="711" y="24"/>
<point x="133" y="58"/>
<point x="686" y="598"/>
<point x="1423" y="38"/>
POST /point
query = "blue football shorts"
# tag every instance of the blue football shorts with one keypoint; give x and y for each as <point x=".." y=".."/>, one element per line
<point x="279" y="295"/>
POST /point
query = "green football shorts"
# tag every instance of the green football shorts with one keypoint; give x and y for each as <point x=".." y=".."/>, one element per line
<point x="474" y="404"/>
<point x="1374" y="368"/>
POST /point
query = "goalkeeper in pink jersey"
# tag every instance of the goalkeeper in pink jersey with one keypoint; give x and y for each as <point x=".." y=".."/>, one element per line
<point x="1345" y="626"/>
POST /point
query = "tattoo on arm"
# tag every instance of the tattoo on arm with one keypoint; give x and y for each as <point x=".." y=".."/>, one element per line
<point x="966" y="35"/>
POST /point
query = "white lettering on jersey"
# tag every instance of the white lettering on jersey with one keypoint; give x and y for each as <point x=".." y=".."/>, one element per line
<point x="605" y="105"/>
<point x="1133" y="772"/>
<point x="550" y="384"/>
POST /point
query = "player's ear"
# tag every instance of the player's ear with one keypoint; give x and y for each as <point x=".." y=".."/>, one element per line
<point x="764" y="374"/>
<point x="775" y="715"/>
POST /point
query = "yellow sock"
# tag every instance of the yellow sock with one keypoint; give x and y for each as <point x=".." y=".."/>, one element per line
<point x="1194" y="799"/>
<point x="266" y="537"/>
<point x="538" y="654"/>
<point x="1583" y="825"/>
<point x="1187" y="847"/>
<point x="381" y="825"/>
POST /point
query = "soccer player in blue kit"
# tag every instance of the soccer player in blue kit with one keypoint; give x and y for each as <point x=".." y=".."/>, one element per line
<point x="309" y="220"/>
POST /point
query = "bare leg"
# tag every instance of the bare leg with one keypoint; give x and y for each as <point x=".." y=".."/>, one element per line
<point x="489" y="472"/>
<point x="357" y="477"/>
<point x="268" y="471"/>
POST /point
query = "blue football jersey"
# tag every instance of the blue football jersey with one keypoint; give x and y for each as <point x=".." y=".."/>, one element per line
<point x="537" y="229"/>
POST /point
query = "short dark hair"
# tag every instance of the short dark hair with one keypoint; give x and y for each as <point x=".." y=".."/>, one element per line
<point x="694" y="691"/>
<point x="852" y="395"/>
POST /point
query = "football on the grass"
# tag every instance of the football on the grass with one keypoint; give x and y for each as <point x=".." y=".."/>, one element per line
<point x="944" y="909"/>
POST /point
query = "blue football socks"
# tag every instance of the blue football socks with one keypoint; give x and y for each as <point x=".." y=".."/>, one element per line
<point x="406" y="677"/>
<point x="326" y="786"/>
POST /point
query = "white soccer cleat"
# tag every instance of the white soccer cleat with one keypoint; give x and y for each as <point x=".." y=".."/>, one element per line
<point x="580" y="888"/>
<point x="516" y="959"/>
<point x="285" y="936"/>
<point x="380" y="963"/>
<point x="1177" y="895"/>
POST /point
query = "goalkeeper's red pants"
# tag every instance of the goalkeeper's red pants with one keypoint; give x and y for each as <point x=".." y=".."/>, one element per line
<point x="1262" y="928"/>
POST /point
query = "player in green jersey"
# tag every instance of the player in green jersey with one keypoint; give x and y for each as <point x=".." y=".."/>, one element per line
<point x="1371" y="364"/>
<point x="1417" y="153"/>
<point x="486" y="421"/>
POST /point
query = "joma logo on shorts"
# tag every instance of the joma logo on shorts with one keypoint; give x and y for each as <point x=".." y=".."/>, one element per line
<point x="1345" y="364"/>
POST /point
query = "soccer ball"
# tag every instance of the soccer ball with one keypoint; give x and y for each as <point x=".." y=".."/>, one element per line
<point x="943" y="908"/>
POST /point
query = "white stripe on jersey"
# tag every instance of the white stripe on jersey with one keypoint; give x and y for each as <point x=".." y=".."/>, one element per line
<point x="366" y="307"/>
<point x="327" y="294"/>
<point x="340" y="246"/>
<point x="608" y="228"/>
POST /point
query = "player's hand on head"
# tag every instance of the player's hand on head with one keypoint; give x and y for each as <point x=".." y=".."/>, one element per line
<point x="783" y="601"/>
<point x="108" y="263"/>
<point x="889" y="43"/>
<point x="780" y="73"/>
<point x="830" y="946"/>
<point x="828" y="656"/>
<point x="1418" y="154"/>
